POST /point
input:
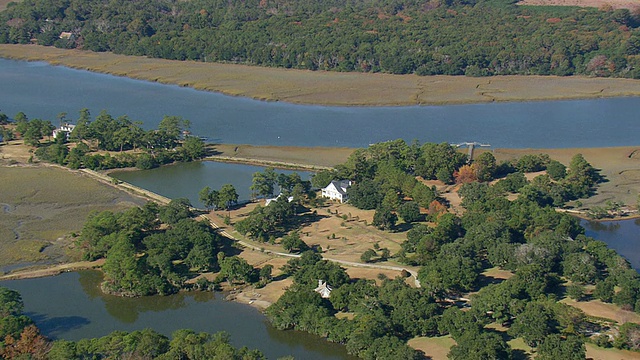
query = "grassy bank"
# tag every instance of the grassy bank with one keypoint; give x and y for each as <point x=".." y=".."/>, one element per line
<point x="330" y="88"/>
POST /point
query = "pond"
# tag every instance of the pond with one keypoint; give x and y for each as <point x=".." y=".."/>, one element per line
<point x="44" y="91"/>
<point x="622" y="236"/>
<point x="72" y="307"/>
<point x="185" y="180"/>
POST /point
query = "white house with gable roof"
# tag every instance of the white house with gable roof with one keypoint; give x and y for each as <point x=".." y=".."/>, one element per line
<point x="337" y="190"/>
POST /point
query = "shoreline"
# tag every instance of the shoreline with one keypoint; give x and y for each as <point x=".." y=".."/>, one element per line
<point x="330" y="88"/>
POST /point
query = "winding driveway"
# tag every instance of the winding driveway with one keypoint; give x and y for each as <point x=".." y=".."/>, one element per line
<point x="223" y="232"/>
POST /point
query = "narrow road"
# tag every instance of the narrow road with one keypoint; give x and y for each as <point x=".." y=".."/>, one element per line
<point x="413" y="273"/>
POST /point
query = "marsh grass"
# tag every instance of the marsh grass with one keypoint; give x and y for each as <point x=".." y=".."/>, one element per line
<point x="43" y="205"/>
<point x="330" y="88"/>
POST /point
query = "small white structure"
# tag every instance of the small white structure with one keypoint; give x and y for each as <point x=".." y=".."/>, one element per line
<point x="268" y="201"/>
<point x="337" y="190"/>
<point x="323" y="289"/>
<point x="65" y="128"/>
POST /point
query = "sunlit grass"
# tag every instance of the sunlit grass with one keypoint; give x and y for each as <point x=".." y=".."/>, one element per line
<point x="436" y="348"/>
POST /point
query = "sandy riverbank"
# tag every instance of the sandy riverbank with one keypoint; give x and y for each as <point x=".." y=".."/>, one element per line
<point x="51" y="270"/>
<point x="329" y="88"/>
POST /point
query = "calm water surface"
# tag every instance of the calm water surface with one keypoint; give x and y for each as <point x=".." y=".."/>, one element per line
<point x="72" y="307"/>
<point x="185" y="180"/>
<point x="42" y="90"/>
<point x="622" y="236"/>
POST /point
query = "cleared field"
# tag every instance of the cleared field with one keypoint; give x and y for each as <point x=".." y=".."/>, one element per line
<point x="41" y="206"/>
<point x="598" y="353"/>
<point x="330" y="88"/>
<point x="435" y="348"/>
<point x="608" y="311"/>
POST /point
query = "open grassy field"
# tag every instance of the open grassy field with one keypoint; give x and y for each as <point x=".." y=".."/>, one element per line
<point x="330" y="88"/>
<point x="435" y="348"/>
<point x="598" y="353"/>
<point x="604" y="310"/>
<point x="41" y="206"/>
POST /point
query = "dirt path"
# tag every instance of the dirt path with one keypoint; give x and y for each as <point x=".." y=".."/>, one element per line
<point x="413" y="273"/>
<point x="52" y="270"/>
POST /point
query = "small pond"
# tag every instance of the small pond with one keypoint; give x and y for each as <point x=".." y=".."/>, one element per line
<point x="72" y="307"/>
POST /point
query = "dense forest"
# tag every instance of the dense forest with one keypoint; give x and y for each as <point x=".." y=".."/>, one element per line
<point x="453" y="37"/>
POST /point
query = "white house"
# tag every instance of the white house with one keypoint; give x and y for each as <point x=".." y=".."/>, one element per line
<point x="323" y="289"/>
<point x="269" y="200"/>
<point x="337" y="190"/>
<point x="65" y="128"/>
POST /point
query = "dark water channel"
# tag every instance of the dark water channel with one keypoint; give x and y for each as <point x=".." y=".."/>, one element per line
<point x="72" y="307"/>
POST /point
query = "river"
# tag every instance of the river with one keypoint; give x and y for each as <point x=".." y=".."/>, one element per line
<point x="44" y="91"/>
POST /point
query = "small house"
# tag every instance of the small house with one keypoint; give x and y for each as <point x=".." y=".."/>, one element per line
<point x="337" y="190"/>
<point x="65" y="128"/>
<point x="269" y="200"/>
<point x="323" y="289"/>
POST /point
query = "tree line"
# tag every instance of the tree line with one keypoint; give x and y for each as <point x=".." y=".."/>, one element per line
<point x="453" y="37"/>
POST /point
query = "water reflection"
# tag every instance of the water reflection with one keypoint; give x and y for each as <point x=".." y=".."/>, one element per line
<point x="303" y="340"/>
<point x="187" y="179"/>
<point x="74" y="308"/>
<point x="622" y="236"/>
<point x="602" y="226"/>
<point x="57" y="325"/>
<point x="128" y="310"/>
